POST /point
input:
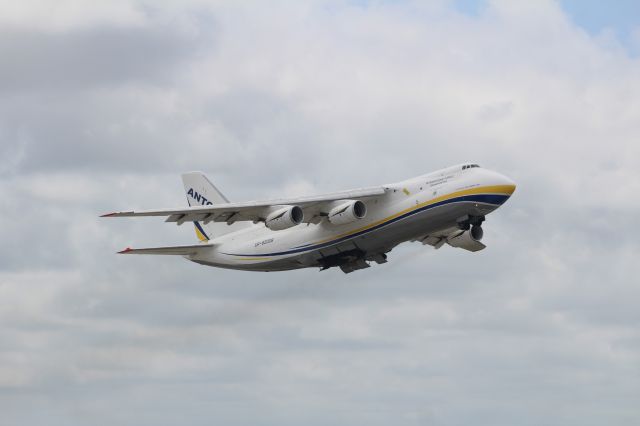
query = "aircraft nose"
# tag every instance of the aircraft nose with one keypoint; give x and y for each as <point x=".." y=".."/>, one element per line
<point x="508" y="184"/>
<point x="500" y="183"/>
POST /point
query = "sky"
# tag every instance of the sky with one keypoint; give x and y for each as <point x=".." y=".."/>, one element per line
<point x="103" y="104"/>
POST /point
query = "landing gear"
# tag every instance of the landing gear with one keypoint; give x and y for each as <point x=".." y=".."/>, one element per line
<point x="354" y="265"/>
<point x="351" y="260"/>
<point x="466" y="222"/>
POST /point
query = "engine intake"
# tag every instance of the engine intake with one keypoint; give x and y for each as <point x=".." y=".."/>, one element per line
<point x="468" y="240"/>
<point x="286" y="217"/>
<point x="347" y="212"/>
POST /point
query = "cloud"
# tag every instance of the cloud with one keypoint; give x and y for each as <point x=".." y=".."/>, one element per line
<point x="102" y="107"/>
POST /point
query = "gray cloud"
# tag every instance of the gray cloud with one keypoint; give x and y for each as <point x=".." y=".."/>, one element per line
<point x="76" y="60"/>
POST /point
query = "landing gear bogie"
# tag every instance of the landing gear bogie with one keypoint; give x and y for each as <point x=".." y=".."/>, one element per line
<point x="466" y="222"/>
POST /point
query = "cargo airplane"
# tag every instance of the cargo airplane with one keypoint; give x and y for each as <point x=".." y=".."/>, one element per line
<point x="348" y="229"/>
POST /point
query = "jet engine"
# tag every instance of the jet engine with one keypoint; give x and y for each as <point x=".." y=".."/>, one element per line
<point x="468" y="240"/>
<point x="286" y="217"/>
<point x="347" y="212"/>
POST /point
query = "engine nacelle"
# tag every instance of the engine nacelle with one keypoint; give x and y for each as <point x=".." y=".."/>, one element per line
<point x="468" y="240"/>
<point x="347" y="212"/>
<point x="286" y="217"/>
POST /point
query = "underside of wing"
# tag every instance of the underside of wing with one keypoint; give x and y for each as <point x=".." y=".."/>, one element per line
<point x="312" y="208"/>
<point x="174" y="250"/>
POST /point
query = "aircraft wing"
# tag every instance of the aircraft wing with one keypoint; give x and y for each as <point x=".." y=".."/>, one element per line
<point x="313" y="207"/>
<point x="174" y="250"/>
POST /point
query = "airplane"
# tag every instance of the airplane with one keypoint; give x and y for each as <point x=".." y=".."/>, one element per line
<point x="348" y="229"/>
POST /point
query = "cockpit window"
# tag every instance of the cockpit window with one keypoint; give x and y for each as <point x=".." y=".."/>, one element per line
<point x="468" y="166"/>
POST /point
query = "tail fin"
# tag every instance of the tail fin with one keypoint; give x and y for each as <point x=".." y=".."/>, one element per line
<point x="201" y="192"/>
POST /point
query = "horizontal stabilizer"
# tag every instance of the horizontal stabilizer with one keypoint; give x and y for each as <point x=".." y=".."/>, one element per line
<point x="175" y="250"/>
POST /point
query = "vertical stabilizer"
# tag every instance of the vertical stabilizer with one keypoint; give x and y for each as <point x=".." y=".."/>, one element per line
<point x="201" y="192"/>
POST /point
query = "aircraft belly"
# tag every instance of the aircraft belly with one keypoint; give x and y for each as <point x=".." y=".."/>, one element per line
<point x="264" y="266"/>
<point x="420" y="224"/>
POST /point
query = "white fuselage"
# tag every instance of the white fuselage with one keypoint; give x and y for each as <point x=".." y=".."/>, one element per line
<point x="409" y="210"/>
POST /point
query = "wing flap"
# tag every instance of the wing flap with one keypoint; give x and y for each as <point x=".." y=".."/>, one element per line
<point x="172" y="217"/>
<point x="171" y="250"/>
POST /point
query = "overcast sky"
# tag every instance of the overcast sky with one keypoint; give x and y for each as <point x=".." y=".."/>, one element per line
<point x="104" y="104"/>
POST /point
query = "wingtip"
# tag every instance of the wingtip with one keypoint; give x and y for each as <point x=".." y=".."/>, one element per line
<point x="125" y="251"/>
<point x="108" y="214"/>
